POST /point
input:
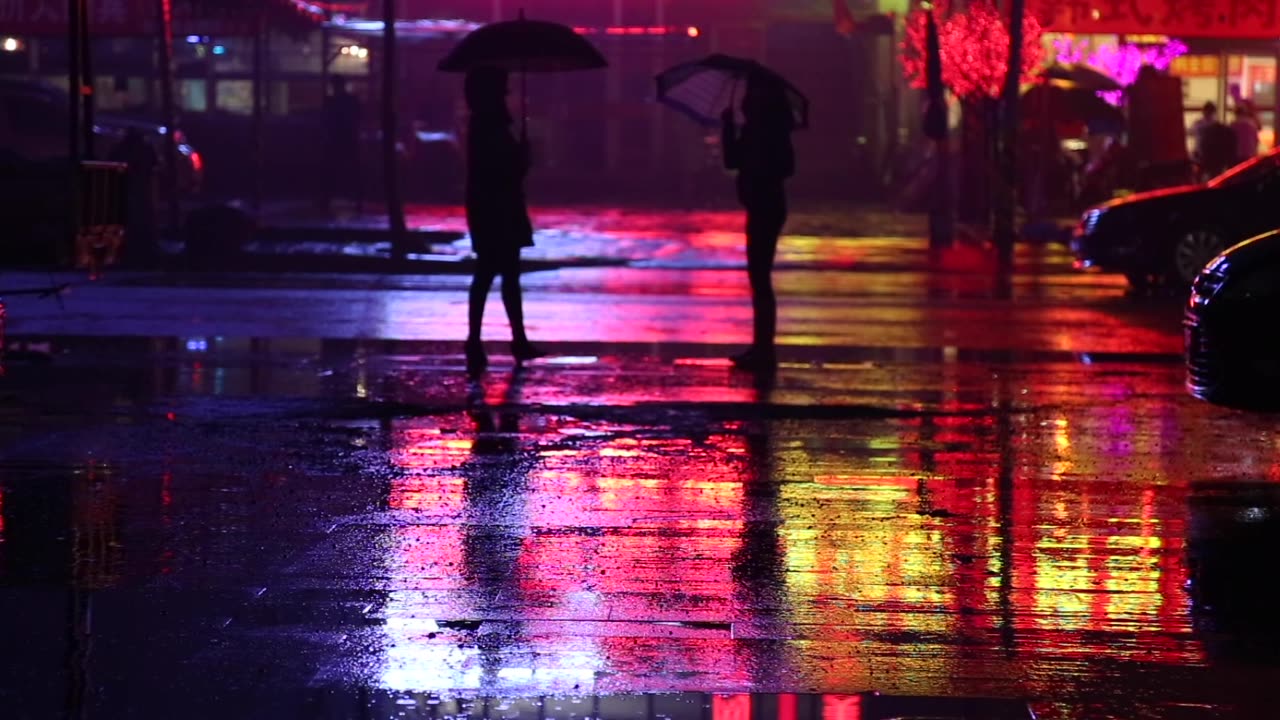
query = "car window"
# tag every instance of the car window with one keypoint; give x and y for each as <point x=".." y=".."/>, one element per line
<point x="1247" y="172"/>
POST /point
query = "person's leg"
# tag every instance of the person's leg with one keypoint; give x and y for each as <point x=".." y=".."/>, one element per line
<point x="513" y="301"/>
<point x="481" y="282"/>
<point x="763" y="228"/>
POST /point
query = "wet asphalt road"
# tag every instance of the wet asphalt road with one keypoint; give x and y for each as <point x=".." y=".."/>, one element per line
<point x="288" y="501"/>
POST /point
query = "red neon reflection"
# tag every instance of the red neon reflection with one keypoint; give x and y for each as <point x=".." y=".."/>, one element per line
<point x="841" y="707"/>
<point x="786" y="707"/>
<point x="731" y="707"/>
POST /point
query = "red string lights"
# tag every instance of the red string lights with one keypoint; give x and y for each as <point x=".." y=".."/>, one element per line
<point x="975" y="48"/>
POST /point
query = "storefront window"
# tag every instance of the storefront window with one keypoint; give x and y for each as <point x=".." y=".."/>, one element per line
<point x="291" y="54"/>
<point x="121" y="93"/>
<point x="235" y="96"/>
<point x="295" y="96"/>
<point x="193" y="95"/>
<point x="1250" y="81"/>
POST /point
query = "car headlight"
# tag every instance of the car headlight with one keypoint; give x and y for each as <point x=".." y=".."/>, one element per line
<point x="1209" y="281"/>
<point x="1090" y="221"/>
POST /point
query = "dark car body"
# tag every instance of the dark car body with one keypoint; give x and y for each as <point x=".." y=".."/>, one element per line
<point x="34" y="121"/>
<point x="1166" y="236"/>
<point x="1232" y="351"/>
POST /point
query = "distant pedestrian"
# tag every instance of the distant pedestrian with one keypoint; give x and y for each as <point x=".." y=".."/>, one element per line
<point x="1246" y="128"/>
<point x="762" y="153"/>
<point x="342" y="130"/>
<point x="1208" y="116"/>
<point x="497" y="216"/>
<point x="1218" y="150"/>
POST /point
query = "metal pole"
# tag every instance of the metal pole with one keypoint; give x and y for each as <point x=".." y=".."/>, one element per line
<point x="259" y="74"/>
<point x="87" y="88"/>
<point x="73" y="130"/>
<point x="391" y="171"/>
<point x="1275" y="105"/>
<point x="73" y="78"/>
<point x="164" y="57"/>
<point x="1006" y="206"/>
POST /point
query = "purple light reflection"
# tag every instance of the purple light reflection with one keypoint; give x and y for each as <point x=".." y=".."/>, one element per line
<point x="1122" y="63"/>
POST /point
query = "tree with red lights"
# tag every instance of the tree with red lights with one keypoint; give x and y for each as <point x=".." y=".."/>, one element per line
<point x="975" y="48"/>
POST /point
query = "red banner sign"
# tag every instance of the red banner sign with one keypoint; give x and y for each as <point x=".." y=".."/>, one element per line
<point x="133" y="17"/>
<point x="49" y="17"/>
<point x="1178" y="18"/>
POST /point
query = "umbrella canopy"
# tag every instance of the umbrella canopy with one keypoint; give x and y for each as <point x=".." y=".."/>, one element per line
<point x="704" y="89"/>
<point x="1079" y="77"/>
<point x="523" y="46"/>
<point x="1072" y="105"/>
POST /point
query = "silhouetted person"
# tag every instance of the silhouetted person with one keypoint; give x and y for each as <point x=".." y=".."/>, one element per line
<point x="1217" y="149"/>
<point x="761" y="152"/>
<point x="1246" y="128"/>
<point x="342" y="130"/>
<point x="140" y="211"/>
<point x="496" y="213"/>
<point x="1208" y="116"/>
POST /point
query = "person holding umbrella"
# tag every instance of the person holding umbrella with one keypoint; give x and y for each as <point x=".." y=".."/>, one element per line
<point x="497" y="216"/>
<point x="762" y="153"/>
<point x="497" y="162"/>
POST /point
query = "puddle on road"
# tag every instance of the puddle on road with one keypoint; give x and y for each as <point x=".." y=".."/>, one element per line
<point x="1084" y="554"/>
<point x="687" y="706"/>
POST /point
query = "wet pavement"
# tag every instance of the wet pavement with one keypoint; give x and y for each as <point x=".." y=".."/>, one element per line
<point x="287" y="500"/>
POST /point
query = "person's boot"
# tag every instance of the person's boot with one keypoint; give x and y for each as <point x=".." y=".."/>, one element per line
<point x="523" y="350"/>
<point x="477" y="360"/>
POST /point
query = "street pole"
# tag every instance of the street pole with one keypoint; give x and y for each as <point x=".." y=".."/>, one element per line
<point x="941" y="218"/>
<point x="164" y="49"/>
<point x="73" y="79"/>
<point x="391" y="173"/>
<point x="1006" y="201"/>
<point x="259" y="92"/>
<point x="86" y="90"/>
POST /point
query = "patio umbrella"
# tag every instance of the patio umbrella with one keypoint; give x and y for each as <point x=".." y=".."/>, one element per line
<point x="704" y="89"/>
<point x="523" y="46"/>
<point x="1073" y="105"/>
<point x="1079" y="77"/>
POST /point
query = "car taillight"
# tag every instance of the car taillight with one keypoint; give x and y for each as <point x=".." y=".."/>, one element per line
<point x="197" y="162"/>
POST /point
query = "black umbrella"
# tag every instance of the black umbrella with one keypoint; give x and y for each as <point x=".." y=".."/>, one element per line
<point x="704" y="89"/>
<point x="1078" y="77"/>
<point x="523" y="46"/>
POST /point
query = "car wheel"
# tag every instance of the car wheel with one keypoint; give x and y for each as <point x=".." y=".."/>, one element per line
<point x="1193" y="251"/>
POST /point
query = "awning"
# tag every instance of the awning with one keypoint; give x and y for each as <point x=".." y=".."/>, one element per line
<point x="138" y="17"/>
<point x="405" y="29"/>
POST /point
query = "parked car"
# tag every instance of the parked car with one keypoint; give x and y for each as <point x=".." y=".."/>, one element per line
<point x="1232" y="356"/>
<point x="1167" y="236"/>
<point x="34" y="121"/>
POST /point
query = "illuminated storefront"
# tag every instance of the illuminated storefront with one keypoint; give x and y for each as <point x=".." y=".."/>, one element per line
<point x="1231" y="49"/>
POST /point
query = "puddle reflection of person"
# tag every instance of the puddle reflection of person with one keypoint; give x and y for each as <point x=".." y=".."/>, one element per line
<point x="495" y="492"/>
<point x="758" y="563"/>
